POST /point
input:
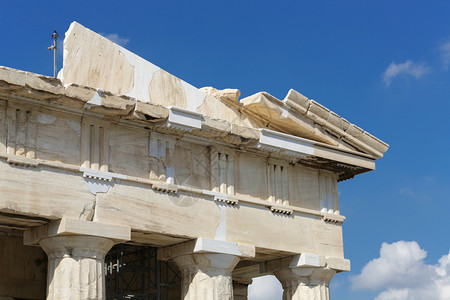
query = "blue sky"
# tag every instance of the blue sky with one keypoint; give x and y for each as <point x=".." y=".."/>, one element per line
<point x="383" y="65"/>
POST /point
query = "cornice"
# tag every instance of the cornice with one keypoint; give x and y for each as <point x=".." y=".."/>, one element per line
<point x="49" y="93"/>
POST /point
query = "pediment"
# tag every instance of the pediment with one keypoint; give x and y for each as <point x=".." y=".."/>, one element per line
<point x="294" y="115"/>
<point x="302" y="117"/>
<point x="94" y="61"/>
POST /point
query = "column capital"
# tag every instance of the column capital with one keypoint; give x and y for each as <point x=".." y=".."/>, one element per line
<point x="309" y="276"/>
<point x="205" y="245"/>
<point x="305" y="260"/>
<point x="305" y="283"/>
<point x="71" y="227"/>
<point x="76" y="246"/>
<point x="76" y="266"/>
<point x="306" y="276"/>
<point x="206" y="266"/>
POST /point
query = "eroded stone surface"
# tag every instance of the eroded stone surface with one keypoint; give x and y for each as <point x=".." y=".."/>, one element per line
<point x="305" y="283"/>
<point x="85" y="69"/>
<point x="76" y="266"/>
<point x="166" y="89"/>
<point x="231" y="95"/>
<point x="206" y="276"/>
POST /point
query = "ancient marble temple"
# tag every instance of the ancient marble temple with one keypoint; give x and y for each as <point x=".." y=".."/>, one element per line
<point x="117" y="152"/>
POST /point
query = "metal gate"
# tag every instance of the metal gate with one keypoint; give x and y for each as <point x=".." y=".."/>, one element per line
<point x="134" y="272"/>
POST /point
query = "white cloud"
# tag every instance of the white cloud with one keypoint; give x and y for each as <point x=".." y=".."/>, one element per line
<point x="265" y="288"/>
<point x="407" y="192"/>
<point x="408" y="68"/>
<point x="401" y="273"/>
<point x="445" y="54"/>
<point x="394" y="295"/>
<point x="114" y="37"/>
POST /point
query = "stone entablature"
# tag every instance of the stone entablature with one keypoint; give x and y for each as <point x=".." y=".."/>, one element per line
<point x="21" y="85"/>
<point x="103" y="150"/>
<point x="113" y="155"/>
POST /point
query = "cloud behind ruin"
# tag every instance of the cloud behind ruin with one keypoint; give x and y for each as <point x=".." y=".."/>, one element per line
<point x="114" y="37"/>
<point x="408" y="69"/>
<point x="400" y="272"/>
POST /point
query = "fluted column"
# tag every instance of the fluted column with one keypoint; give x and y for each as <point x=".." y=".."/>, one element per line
<point x="76" y="250"/>
<point x="306" y="276"/>
<point x="206" y="275"/>
<point x="206" y="266"/>
<point x="240" y="288"/>
<point x="305" y="283"/>
<point x="76" y="266"/>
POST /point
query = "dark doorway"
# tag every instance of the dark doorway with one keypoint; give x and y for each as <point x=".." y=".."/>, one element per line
<point x="134" y="272"/>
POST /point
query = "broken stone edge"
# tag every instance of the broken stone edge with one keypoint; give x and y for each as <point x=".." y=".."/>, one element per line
<point x="21" y="85"/>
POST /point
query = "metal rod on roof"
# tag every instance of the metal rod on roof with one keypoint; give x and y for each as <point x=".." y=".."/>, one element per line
<point x="54" y="48"/>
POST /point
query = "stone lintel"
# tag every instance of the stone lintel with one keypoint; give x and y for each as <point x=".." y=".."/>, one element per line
<point x="242" y="280"/>
<point x="205" y="245"/>
<point x="64" y="227"/>
<point x="307" y="260"/>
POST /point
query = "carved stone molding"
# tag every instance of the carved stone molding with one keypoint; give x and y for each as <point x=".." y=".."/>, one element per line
<point x="184" y="120"/>
<point x="222" y="170"/>
<point x="22" y="161"/>
<point x="276" y="141"/>
<point x="91" y="174"/>
<point x="99" y="181"/>
<point x="95" y="144"/>
<point x="278" y="181"/>
<point x="333" y="218"/>
<point x="281" y="210"/>
<point x="21" y="131"/>
<point x="346" y="166"/>
<point x="165" y="187"/>
<point x="225" y="199"/>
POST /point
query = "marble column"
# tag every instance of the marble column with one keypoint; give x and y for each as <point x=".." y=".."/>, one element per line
<point x="206" y="267"/>
<point x="306" y="276"/>
<point x="300" y="283"/>
<point x="76" y="266"/>
<point x="240" y="288"/>
<point x="206" y="275"/>
<point x="76" y="250"/>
